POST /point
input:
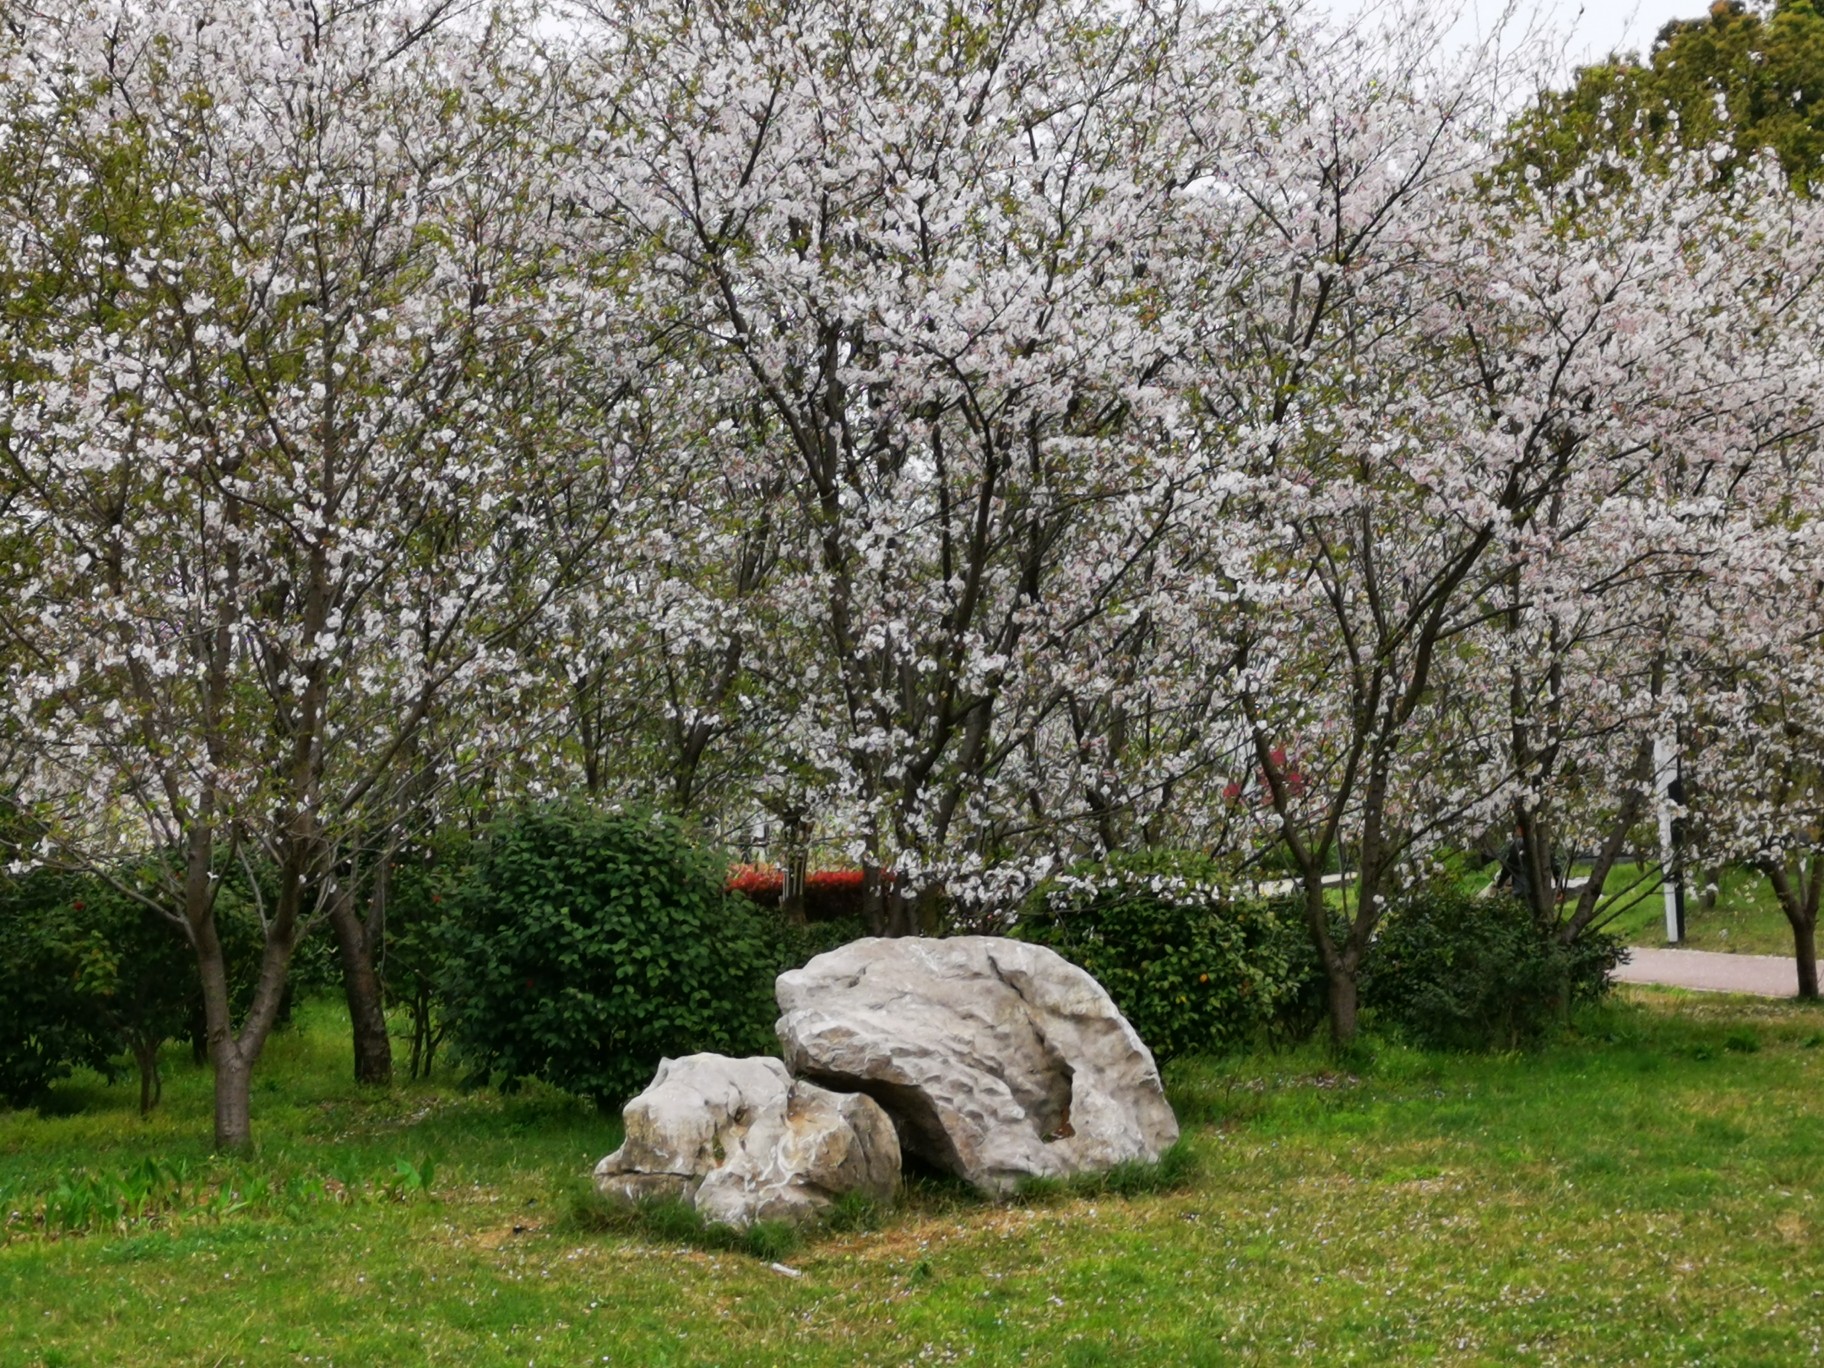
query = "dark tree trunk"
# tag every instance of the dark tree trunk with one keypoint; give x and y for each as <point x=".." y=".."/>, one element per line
<point x="361" y="987"/>
<point x="233" y="1099"/>
<point x="426" y="1033"/>
<point x="1713" y="883"/>
<point x="797" y="870"/>
<point x="151" y="1085"/>
<point x="903" y="909"/>
<point x="1805" y="954"/>
<point x="199" y="1035"/>
<point x="929" y="912"/>
<point x="1343" y="1003"/>
<point x="1799" y="901"/>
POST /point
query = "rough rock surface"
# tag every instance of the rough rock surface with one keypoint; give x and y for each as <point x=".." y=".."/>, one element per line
<point x="996" y="1059"/>
<point x="743" y="1141"/>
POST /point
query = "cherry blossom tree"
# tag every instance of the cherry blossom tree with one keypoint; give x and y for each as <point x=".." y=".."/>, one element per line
<point x="274" y="440"/>
<point x="917" y="239"/>
<point x="1462" y="418"/>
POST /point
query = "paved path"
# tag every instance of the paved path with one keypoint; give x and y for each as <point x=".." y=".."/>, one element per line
<point x="1710" y="972"/>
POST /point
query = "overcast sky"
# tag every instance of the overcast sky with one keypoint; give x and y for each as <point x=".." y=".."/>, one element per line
<point x="1594" y="28"/>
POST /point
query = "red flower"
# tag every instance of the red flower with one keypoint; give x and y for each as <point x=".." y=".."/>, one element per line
<point x="755" y="881"/>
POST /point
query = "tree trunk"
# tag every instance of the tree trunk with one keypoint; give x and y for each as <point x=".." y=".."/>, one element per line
<point x="233" y="1098"/>
<point x="1805" y="955"/>
<point x="151" y="1086"/>
<point x="361" y="987"/>
<point x="911" y="913"/>
<point x="1713" y="882"/>
<point x="1342" y="985"/>
<point x="1800" y="904"/>
<point x="797" y="870"/>
<point x="930" y="911"/>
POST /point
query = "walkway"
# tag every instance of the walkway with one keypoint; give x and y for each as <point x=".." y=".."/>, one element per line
<point x="1710" y="972"/>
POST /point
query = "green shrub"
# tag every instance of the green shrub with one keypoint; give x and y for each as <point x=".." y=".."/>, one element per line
<point x="87" y="972"/>
<point x="425" y="877"/>
<point x="796" y="946"/>
<point x="586" y="945"/>
<point x="1192" y="969"/>
<point x="1451" y="970"/>
<point x="50" y="957"/>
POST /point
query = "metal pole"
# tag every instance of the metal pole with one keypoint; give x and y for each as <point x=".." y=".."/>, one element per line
<point x="1665" y="771"/>
<point x="1677" y="794"/>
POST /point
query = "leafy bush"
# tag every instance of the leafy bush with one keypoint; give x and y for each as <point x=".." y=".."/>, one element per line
<point x="87" y="972"/>
<point x="796" y="946"/>
<point x="50" y="958"/>
<point x="586" y="945"/>
<point x="1192" y="969"/>
<point x="1451" y="970"/>
<point x="419" y="903"/>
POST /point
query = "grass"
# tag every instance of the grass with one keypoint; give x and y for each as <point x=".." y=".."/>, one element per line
<point x="1746" y="919"/>
<point x="1646" y="1190"/>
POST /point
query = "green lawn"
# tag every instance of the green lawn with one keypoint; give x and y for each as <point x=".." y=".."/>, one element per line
<point x="1746" y="919"/>
<point x="1645" y="1191"/>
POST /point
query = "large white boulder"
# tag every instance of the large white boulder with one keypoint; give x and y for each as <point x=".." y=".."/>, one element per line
<point x="743" y="1141"/>
<point x="997" y="1060"/>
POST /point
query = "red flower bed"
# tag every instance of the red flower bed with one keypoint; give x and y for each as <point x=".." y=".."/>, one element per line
<point x="829" y="894"/>
<point x="762" y="883"/>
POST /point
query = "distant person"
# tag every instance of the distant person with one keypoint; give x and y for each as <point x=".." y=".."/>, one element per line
<point x="1516" y="870"/>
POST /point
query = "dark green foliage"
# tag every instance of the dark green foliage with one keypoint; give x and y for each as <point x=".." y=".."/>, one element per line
<point x="1742" y="1041"/>
<point x="586" y="945"/>
<point x="420" y="899"/>
<point x="1176" y="1168"/>
<point x="51" y="959"/>
<point x="1194" y="971"/>
<point x="1739" y="77"/>
<point x="796" y="946"/>
<point x="1451" y="970"/>
<point x="87" y="972"/>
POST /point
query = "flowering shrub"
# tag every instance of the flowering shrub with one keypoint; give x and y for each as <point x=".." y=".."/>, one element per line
<point x="1192" y="969"/>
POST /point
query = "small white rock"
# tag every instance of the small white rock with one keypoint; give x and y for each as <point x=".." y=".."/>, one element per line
<point x="743" y="1141"/>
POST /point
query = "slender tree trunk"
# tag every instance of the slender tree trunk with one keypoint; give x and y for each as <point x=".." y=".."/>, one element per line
<point x="1713" y="883"/>
<point x="903" y="913"/>
<point x="930" y="910"/>
<point x="1341" y="991"/>
<point x="876" y="917"/>
<point x="1343" y="1003"/>
<point x="233" y="1099"/>
<point x="797" y="869"/>
<point x="361" y="987"/>
<point x="151" y="1086"/>
<point x="1805" y="954"/>
<point x="233" y="1056"/>
<point x="1799" y="901"/>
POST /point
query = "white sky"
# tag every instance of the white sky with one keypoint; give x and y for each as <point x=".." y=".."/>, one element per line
<point x="1593" y="28"/>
